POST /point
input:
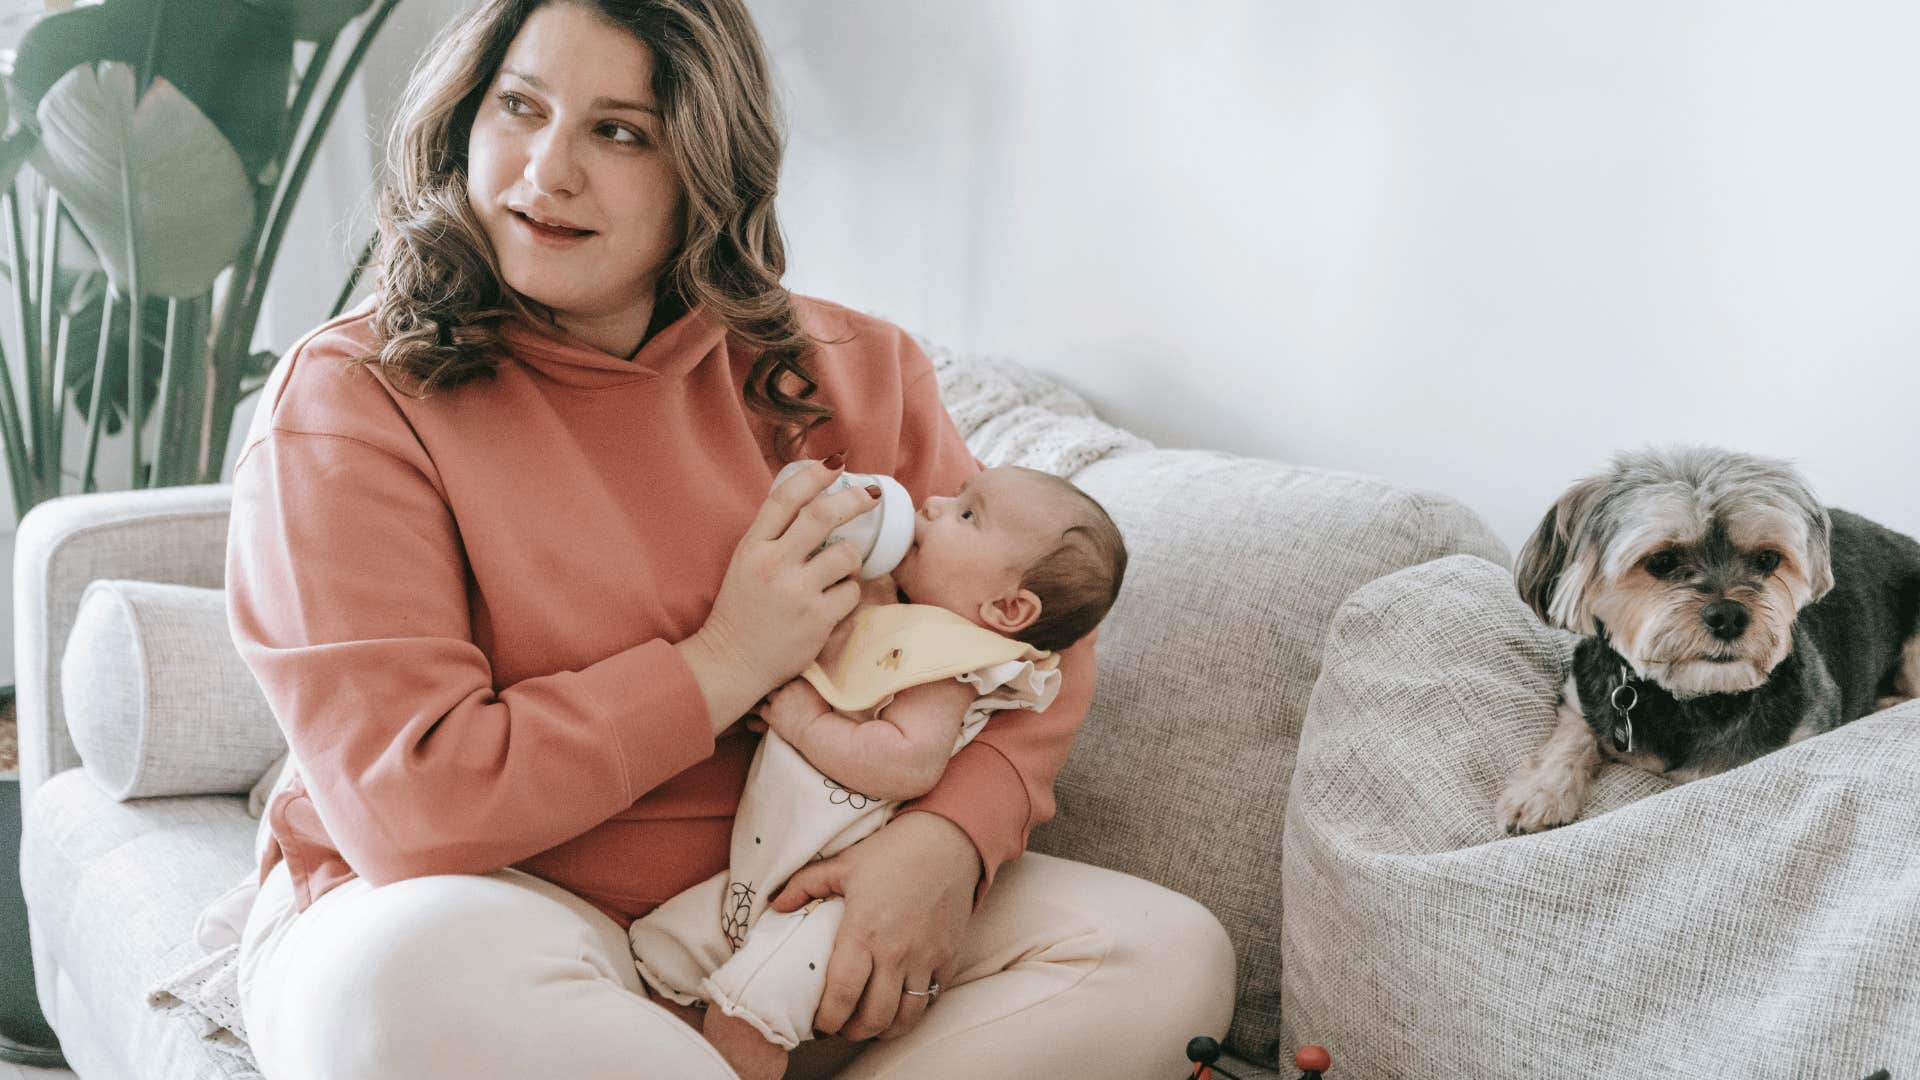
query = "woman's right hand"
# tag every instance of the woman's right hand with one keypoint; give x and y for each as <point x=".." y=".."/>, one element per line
<point x="782" y="594"/>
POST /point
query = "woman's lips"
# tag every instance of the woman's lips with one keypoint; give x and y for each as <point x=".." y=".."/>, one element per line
<point x="550" y="234"/>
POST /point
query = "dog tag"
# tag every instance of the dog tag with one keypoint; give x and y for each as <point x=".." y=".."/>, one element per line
<point x="1623" y="735"/>
<point x="1623" y="726"/>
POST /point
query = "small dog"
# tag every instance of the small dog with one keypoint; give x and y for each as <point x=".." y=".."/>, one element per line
<point x="1725" y="614"/>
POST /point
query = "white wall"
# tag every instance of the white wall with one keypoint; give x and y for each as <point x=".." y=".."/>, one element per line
<point x="1473" y="247"/>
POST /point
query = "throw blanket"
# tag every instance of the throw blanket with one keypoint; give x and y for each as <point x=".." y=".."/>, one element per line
<point x="1008" y="416"/>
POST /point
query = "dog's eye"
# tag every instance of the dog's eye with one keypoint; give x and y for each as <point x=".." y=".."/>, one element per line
<point x="1766" y="562"/>
<point x="1662" y="563"/>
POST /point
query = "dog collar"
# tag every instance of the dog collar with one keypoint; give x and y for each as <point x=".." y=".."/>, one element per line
<point x="1623" y="698"/>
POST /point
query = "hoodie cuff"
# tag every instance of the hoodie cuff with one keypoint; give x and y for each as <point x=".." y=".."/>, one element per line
<point x="656" y="710"/>
<point x="984" y="795"/>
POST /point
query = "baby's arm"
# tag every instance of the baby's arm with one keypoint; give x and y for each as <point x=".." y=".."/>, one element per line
<point x="899" y="756"/>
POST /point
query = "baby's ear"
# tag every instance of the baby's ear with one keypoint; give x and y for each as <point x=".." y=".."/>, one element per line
<point x="1010" y="612"/>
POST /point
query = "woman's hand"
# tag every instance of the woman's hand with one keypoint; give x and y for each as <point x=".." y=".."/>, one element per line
<point x="909" y="894"/>
<point x="781" y="597"/>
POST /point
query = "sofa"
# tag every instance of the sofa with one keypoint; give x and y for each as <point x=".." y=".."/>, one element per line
<point x="1307" y="669"/>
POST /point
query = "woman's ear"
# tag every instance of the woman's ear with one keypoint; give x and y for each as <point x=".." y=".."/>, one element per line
<point x="1010" y="612"/>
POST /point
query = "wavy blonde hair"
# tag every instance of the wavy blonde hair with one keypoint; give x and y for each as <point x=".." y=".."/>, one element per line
<point x="441" y="297"/>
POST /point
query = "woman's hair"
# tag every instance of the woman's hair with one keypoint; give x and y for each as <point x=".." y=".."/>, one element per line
<point x="1078" y="581"/>
<point x="441" y="294"/>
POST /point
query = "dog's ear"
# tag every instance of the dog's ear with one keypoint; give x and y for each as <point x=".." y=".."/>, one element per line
<point x="1819" y="551"/>
<point x="1543" y="558"/>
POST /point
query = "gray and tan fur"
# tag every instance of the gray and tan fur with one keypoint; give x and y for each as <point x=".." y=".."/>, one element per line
<point x="1723" y="605"/>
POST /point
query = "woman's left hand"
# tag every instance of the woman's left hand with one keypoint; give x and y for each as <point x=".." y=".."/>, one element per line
<point x="909" y="893"/>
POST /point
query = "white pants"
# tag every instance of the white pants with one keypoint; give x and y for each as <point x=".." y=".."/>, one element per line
<point x="1067" y="970"/>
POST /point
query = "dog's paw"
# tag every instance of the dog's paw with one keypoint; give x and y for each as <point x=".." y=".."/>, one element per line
<point x="1538" y="799"/>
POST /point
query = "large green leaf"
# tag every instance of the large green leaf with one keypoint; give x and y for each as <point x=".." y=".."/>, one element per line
<point x="83" y="294"/>
<point x="193" y="205"/>
<point x="234" y="60"/>
<point x="314" y="20"/>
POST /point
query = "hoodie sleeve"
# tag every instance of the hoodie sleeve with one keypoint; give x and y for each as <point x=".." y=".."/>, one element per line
<point x="347" y="595"/>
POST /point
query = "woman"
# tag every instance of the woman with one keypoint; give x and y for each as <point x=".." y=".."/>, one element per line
<point x="504" y="561"/>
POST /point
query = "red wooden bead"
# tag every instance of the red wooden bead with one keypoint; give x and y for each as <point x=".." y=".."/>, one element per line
<point x="1313" y="1057"/>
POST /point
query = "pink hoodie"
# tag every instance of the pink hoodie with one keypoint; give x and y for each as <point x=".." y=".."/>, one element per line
<point x="462" y="608"/>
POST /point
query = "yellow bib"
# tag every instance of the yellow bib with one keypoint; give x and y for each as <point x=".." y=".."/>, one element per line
<point x="882" y="649"/>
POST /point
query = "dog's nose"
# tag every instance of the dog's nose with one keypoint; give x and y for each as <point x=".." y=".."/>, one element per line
<point x="1726" y="618"/>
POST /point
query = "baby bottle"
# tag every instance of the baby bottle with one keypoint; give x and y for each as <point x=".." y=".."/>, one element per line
<point x="883" y="534"/>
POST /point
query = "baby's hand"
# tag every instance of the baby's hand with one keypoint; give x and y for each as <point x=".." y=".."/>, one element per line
<point x="792" y="707"/>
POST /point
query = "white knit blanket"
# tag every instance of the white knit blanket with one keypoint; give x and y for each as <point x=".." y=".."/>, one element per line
<point x="206" y="994"/>
<point x="1008" y="416"/>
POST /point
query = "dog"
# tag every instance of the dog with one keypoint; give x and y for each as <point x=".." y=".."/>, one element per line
<point x="1724" y="613"/>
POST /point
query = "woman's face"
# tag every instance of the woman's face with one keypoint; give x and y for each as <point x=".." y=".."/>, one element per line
<point x="567" y="173"/>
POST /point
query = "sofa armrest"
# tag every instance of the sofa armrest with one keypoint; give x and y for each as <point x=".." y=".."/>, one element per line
<point x="174" y="535"/>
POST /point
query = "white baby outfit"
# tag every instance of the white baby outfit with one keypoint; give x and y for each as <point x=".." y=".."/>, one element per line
<point x="717" y="942"/>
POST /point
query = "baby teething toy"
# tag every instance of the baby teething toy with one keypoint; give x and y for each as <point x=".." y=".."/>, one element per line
<point x="883" y="534"/>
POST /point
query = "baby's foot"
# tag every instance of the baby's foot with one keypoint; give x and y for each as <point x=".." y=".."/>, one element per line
<point x="748" y="1051"/>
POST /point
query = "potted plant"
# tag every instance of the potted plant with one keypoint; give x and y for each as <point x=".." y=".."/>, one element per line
<point x="151" y="155"/>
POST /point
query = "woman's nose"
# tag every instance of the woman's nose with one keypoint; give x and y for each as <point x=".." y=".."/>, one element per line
<point x="552" y="167"/>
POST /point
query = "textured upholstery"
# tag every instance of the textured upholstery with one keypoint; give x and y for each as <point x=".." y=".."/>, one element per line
<point x="1181" y="774"/>
<point x="158" y="701"/>
<point x="1758" y="923"/>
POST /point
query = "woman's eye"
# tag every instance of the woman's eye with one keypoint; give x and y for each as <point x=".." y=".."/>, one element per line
<point x="625" y="136"/>
<point x="1662" y="563"/>
<point x="1767" y="562"/>
<point x="513" y="104"/>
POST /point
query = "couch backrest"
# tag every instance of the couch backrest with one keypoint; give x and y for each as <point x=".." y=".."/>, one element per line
<point x="1181" y="771"/>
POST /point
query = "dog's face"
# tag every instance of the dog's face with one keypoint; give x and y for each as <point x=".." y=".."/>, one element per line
<point x="1694" y="561"/>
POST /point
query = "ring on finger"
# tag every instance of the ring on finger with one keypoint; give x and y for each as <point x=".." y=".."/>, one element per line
<point x="932" y="991"/>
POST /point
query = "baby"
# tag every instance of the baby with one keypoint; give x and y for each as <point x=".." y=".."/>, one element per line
<point x="1017" y="566"/>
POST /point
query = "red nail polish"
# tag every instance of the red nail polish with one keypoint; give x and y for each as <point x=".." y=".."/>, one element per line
<point x="874" y="490"/>
<point x="836" y="460"/>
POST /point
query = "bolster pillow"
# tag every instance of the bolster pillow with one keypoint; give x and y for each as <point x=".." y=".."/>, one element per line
<point x="157" y="698"/>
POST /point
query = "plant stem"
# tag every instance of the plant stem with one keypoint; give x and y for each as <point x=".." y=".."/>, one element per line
<point x="57" y="422"/>
<point x="99" y="383"/>
<point x="136" y="415"/>
<point x="241" y="309"/>
<point x="353" y="278"/>
<point x="23" y="282"/>
<point x="309" y="149"/>
<point x="46" y="445"/>
<point x="158" y="468"/>
<point x="20" y="464"/>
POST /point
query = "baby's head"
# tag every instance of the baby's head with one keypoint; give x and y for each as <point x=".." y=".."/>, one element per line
<point x="1020" y="552"/>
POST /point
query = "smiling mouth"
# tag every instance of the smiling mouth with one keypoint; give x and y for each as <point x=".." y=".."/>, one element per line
<point x="547" y="228"/>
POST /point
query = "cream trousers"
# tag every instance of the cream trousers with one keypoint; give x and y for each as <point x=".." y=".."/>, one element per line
<point x="1067" y="970"/>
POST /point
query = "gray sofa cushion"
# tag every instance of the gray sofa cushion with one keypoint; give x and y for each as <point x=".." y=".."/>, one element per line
<point x="157" y="699"/>
<point x="114" y="888"/>
<point x="1760" y="923"/>
<point x="1181" y="772"/>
